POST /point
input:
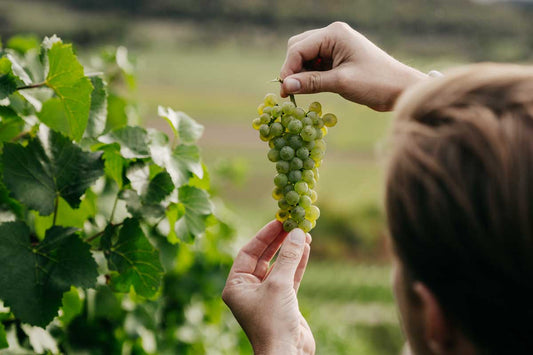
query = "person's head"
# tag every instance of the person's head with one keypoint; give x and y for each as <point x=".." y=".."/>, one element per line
<point x="459" y="204"/>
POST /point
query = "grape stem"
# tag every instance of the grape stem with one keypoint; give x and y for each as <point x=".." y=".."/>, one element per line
<point x="291" y="96"/>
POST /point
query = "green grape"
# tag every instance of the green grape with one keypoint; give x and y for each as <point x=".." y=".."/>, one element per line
<point x="316" y="154"/>
<point x="282" y="215"/>
<point x="281" y="180"/>
<point x="312" y="184"/>
<point x="267" y="109"/>
<point x="299" y="113"/>
<point x="315" y="107"/>
<point x="286" y="153"/>
<point x="308" y="133"/>
<point x="298" y="213"/>
<point x="256" y="123"/>
<point x="319" y="133"/>
<point x="283" y="167"/>
<point x="277" y="193"/>
<point x="324" y="130"/>
<point x="276" y="111"/>
<point x="295" y="127"/>
<point x="287" y="107"/>
<point x="295" y="142"/>
<point x="301" y="187"/>
<point x="312" y="213"/>
<point x="270" y="99"/>
<point x="286" y="120"/>
<point x="271" y="143"/>
<point x="292" y="197"/>
<point x="287" y="188"/>
<point x="264" y="130"/>
<point x="283" y="204"/>
<point x="295" y="176"/>
<point x="314" y="119"/>
<point x="307" y="121"/>
<point x="309" y="164"/>
<point x="305" y="225"/>
<point x="260" y="108"/>
<point x="279" y="142"/>
<point x="290" y="224"/>
<point x="305" y="201"/>
<point x="310" y="145"/>
<point x="308" y="175"/>
<point x="313" y="116"/>
<point x="320" y="143"/>
<point x="320" y="123"/>
<point x="265" y="118"/>
<point x="296" y="164"/>
<point x="315" y="171"/>
<point x="276" y="129"/>
<point x="302" y="153"/>
<point x="273" y="155"/>
<point x="330" y="120"/>
<point x="313" y="195"/>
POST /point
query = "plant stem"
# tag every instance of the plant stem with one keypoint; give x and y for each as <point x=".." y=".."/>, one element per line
<point x="56" y="206"/>
<point x="20" y="136"/>
<point x="114" y="208"/>
<point x="101" y="233"/>
<point x="32" y="86"/>
<point x="291" y="96"/>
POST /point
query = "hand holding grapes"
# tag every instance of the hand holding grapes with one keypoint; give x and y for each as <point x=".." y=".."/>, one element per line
<point x="264" y="300"/>
<point x="339" y="59"/>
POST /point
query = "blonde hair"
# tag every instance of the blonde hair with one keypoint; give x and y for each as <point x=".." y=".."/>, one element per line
<point x="459" y="198"/>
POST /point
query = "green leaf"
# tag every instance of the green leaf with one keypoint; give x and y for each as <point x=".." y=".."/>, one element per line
<point x="116" y="112"/>
<point x="3" y="337"/>
<point x="197" y="207"/>
<point x="23" y="43"/>
<point x="34" y="277"/>
<point x="98" y="113"/>
<point x="114" y="163"/>
<point x="132" y="140"/>
<point x="159" y="188"/>
<point x="8" y="81"/>
<point x="134" y="258"/>
<point x="183" y="126"/>
<point x="10" y="124"/>
<point x="138" y="208"/>
<point x="73" y="90"/>
<point x="35" y="175"/>
<point x="72" y="306"/>
<point x="67" y="216"/>
<point x="180" y="163"/>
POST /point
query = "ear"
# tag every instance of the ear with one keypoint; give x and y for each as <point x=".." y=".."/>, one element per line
<point x="439" y="334"/>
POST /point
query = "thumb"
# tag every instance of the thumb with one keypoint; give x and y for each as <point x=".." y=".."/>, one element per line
<point x="309" y="82"/>
<point x="289" y="257"/>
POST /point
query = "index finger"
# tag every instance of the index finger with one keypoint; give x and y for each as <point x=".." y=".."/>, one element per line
<point x="304" y="50"/>
<point x="248" y="257"/>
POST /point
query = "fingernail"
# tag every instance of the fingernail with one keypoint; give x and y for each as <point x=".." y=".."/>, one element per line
<point x="297" y="236"/>
<point x="292" y="85"/>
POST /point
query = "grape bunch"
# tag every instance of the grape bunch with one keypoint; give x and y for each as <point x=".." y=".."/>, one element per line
<point x="297" y="146"/>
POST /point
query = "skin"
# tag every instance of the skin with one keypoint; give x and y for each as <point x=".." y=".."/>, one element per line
<point x="263" y="298"/>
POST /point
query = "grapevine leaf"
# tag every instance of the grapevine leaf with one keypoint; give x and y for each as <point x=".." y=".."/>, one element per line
<point x="197" y="207"/>
<point x="134" y="258"/>
<point x="179" y="163"/>
<point x="114" y="163"/>
<point x="132" y="140"/>
<point x="116" y="112"/>
<point x="36" y="175"/>
<point x="34" y="278"/>
<point x="10" y="124"/>
<point x="73" y="90"/>
<point x="183" y="126"/>
<point x="98" y="112"/>
<point x="3" y="337"/>
<point x="72" y="306"/>
<point x="159" y="187"/>
<point x="8" y="81"/>
<point x="137" y="208"/>
<point x="23" y="43"/>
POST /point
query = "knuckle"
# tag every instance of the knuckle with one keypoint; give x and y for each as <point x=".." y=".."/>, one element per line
<point x="288" y="255"/>
<point x="291" y="41"/>
<point x="314" y="82"/>
<point x="338" y="25"/>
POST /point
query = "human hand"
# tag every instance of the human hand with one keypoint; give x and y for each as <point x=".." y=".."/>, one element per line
<point x="339" y="59"/>
<point x="263" y="299"/>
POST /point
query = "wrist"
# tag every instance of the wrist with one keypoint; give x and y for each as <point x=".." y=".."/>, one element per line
<point x="275" y="348"/>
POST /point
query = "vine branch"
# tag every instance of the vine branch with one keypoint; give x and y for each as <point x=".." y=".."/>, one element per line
<point x="56" y="207"/>
<point x="32" y="86"/>
<point x="101" y="233"/>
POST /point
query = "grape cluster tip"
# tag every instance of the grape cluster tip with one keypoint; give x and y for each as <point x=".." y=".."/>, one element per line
<point x="297" y="146"/>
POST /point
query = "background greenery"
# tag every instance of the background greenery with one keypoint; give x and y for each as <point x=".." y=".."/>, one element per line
<point x="214" y="59"/>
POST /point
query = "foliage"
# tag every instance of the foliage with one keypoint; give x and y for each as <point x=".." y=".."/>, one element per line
<point x="108" y="238"/>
